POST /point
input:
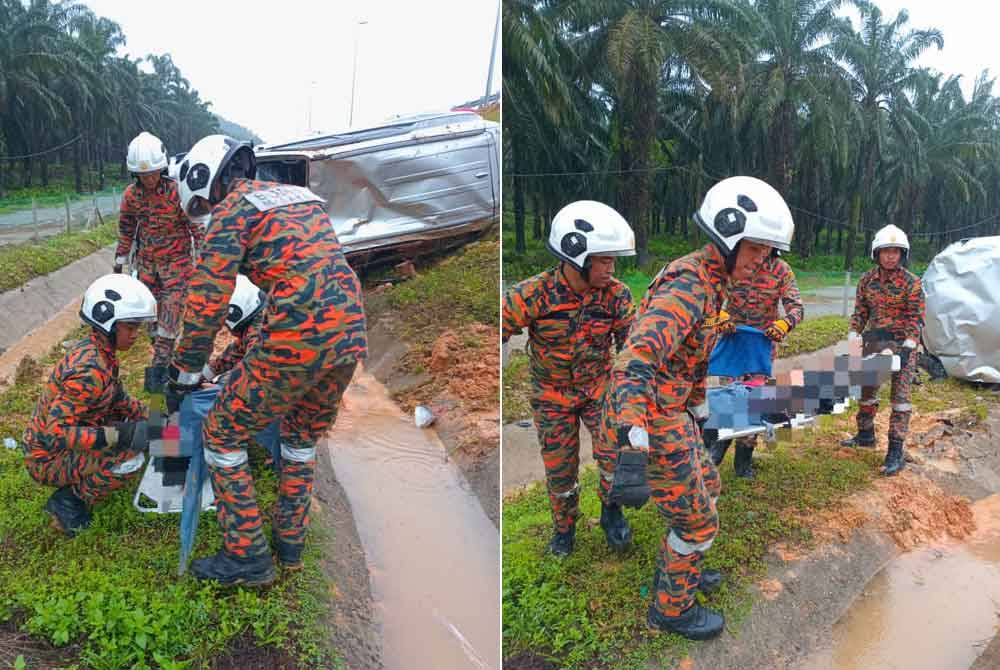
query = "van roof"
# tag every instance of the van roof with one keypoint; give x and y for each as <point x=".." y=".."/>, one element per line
<point x="399" y="126"/>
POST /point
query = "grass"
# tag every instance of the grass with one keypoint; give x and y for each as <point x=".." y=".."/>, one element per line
<point x="814" y="334"/>
<point x="516" y="388"/>
<point x="27" y="260"/>
<point x="588" y="611"/>
<point x="113" y="590"/>
<point x="461" y="288"/>
<point x="61" y="185"/>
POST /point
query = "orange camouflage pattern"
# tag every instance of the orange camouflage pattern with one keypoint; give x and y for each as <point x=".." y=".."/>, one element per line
<point x="894" y="300"/>
<point x="571" y="338"/>
<point x="312" y="338"/>
<point x="656" y="380"/>
<point x="754" y="302"/>
<point x="244" y="339"/>
<point x="154" y="223"/>
<point x="64" y="439"/>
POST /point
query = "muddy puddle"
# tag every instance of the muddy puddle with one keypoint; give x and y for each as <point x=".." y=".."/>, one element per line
<point x="432" y="552"/>
<point x="935" y="608"/>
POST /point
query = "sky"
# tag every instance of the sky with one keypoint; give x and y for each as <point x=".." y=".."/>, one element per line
<point x="274" y="67"/>
<point x="969" y="30"/>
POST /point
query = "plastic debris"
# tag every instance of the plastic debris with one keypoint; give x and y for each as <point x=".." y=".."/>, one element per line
<point x="423" y="417"/>
<point x="10" y="443"/>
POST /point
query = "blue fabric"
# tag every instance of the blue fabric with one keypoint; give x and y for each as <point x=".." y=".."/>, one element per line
<point x="194" y="408"/>
<point x="729" y="407"/>
<point x="747" y="351"/>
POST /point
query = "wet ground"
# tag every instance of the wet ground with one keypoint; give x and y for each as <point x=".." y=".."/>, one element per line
<point x="934" y="608"/>
<point x="432" y="553"/>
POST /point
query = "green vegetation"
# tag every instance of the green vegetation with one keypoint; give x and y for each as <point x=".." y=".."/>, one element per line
<point x="813" y="335"/>
<point x="461" y="288"/>
<point x="830" y="107"/>
<point x="24" y="261"/>
<point x="113" y="590"/>
<point x="589" y="610"/>
<point x="60" y="187"/>
<point x="516" y="388"/>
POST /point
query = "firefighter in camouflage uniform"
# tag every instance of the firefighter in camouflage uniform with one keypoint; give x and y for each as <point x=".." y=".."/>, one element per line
<point x="87" y="436"/>
<point x="889" y="297"/>
<point x="656" y="399"/>
<point x="153" y="228"/>
<point x="576" y="314"/>
<point x="313" y="336"/>
<point x="754" y="302"/>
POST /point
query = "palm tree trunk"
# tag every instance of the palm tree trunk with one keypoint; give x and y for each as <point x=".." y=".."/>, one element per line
<point x="536" y="224"/>
<point x="520" y="245"/>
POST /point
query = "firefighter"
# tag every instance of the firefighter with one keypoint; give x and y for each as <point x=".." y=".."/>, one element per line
<point x="280" y="237"/>
<point x="656" y="398"/>
<point x="576" y="314"/>
<point x="87" y="436"/>
<point x="244" y="319"/>
<point x="889" y="297"/>
<point x="153" y="228"/>
<point x="754" y="302"/>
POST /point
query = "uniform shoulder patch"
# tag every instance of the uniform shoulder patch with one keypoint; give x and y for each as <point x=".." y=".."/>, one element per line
<point x="281" y="196"/>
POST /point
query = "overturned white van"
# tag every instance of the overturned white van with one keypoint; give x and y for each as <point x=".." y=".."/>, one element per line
<point x="419" y="182"/>
<point x="962" y="325"/>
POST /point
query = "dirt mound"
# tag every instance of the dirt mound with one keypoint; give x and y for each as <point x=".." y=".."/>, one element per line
<point x="909" y="508"/>
<point x="468" y="360"/>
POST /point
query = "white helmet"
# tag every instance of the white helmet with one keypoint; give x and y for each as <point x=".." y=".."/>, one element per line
<point x="212" y="159"/>
<point x="117" y="297"/>
<point x="174" y="165"/>
<point x="246" y="302"/>
<point x="146" y="153"/>
<point x="741" y="208"/>
<point x="890" y="236"/>
<point x="587" y="228"/>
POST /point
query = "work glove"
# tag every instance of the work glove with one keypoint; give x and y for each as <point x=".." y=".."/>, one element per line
<point x="778" y="330"/>
<point x="177" y="387"/>
<point x="116" y="268"/>
<point x="127" y="436"/>
<point x="724" y="324"/>
<point x="909" y="344"/>
<point x="630" y="488"/>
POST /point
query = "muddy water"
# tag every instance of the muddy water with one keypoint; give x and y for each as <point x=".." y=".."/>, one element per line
<point x="433" y="555"/>
<point x="932" y="609"/>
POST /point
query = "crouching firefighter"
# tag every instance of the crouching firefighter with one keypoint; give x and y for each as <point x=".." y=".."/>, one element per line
<point x="656" y="396"/>
<point x="87" y="436"/>
<point x="575" y="314"/>
<point x="244" y="319"/>
<point x="313" y="336"/>
<point x="889" y="297"/>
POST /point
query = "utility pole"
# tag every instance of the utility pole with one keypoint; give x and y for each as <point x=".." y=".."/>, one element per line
<point x="493" y="51"/>
<point x="354" y="75"/>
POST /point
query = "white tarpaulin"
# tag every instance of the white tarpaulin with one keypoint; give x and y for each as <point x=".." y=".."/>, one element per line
<point x="962" y="288"/>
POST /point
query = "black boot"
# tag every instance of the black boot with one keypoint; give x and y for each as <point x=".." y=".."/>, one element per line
<point x="894" y="458"/>
<point x="864" y="438"/>
<point x="231" y="570"/>
<point x="695" y="623"/>
<point x="69" y="514"/>
<point x="743" y="462"/>
<point x="718" y="450"/>
<point x="616" y="528"/>
<point x="561" y="544"/>
<point x="289" y="554"/>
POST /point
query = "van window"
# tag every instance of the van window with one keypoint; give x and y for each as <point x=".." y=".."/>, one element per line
<point x="284" y="171"/>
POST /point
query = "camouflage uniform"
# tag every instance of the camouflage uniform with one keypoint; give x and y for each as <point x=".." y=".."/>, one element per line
<point x="244" y="339"/>
<point x="656" y="380"/>
<point x="312" y="339"/>
<point x="893" y="300"/>
<point x="570" y="339"/>
<point x="754" y="302"/>
<point x="162" y="235"/>
<point x="65" y="439"/>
